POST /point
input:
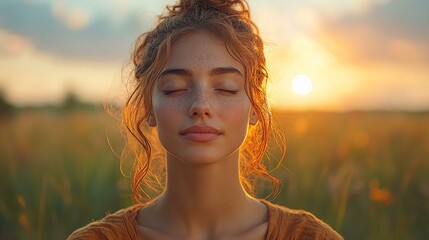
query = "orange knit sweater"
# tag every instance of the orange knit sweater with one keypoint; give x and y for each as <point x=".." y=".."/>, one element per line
<point x="283" y="224"/>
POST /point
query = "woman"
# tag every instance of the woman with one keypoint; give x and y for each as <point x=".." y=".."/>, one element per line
<point x="201" y="91"/>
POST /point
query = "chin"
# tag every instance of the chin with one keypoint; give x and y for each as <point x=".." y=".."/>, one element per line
<point x="204" y="158"/>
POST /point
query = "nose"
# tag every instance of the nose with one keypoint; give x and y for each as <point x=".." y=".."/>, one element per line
<point x="200" y="105"/>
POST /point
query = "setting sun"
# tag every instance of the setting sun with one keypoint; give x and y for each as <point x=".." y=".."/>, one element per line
<point x="302" y="85"/>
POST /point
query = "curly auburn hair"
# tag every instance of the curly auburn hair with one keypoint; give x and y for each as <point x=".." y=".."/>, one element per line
<point x="230" y="21"/>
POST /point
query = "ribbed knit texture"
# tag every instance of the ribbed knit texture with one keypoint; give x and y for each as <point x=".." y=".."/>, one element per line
<point x="283" y="224"/>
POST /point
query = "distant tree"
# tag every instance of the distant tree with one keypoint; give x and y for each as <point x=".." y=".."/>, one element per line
<point x="72" y="102"/>
<point x="5" y="107"/>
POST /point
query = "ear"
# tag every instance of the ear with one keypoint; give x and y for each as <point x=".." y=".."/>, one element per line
<point x="151" y="120"/>
<point x="253" y="118"/>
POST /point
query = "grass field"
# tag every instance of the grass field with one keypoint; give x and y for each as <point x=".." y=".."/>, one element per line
<point x="364" y="173"/>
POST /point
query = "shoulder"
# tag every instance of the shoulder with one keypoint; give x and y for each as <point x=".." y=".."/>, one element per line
<point x="119" y="225"/>
<point x="286" y="223"/>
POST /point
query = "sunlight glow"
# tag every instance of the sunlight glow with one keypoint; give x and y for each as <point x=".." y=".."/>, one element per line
<point x="302" y="85"/>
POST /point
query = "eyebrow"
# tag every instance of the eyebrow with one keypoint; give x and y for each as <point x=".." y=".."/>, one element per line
<point x="176" y="71"/>
<point x="225" y="70"/>
<point x="214" y="71"/>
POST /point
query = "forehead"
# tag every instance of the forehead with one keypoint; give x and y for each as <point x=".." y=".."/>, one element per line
<point x="200" y="50"/>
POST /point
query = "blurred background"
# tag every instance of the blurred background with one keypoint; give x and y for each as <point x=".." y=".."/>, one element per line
<point x="349" y="88"/>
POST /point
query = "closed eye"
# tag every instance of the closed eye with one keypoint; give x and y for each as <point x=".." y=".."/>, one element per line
<point x="170" y="92"/>
<point x="227" y="91"/>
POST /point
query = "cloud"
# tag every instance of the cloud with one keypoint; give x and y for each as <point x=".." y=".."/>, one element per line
<point x="73" y="18"/>
<point x="35" y="78"/>
<point x="347" y="7"/>
<point x="71" y="32"/>
<point x="12" y="44"/>
<point x="364" y="6"/>
<point x="373" y="58"/>
<point x="395" y="32"/>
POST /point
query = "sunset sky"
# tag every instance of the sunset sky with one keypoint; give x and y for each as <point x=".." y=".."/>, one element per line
<point x="359" y="54"/>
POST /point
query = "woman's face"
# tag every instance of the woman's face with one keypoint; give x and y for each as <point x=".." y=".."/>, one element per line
<point x="200" y="106"/>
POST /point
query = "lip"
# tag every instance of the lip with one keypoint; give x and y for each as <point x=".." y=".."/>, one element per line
<point x="201" y="133"/>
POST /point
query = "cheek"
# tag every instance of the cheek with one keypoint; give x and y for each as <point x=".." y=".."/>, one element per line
<point x="167" y="114"/>
<point x="165" y="111"/>
<point x="234" y="110"/>
<point x="237" y="111"/>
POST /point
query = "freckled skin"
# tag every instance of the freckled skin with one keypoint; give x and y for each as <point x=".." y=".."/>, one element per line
<point x="201" y="101"/>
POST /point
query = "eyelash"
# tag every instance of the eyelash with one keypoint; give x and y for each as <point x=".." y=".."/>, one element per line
<point x="169" y="92"/>
<point x="228" y="91"/>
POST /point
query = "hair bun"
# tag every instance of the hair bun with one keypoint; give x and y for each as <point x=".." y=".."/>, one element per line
<point x="228" y="7"/>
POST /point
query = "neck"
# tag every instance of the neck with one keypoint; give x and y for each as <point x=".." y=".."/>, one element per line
<point x="204" y="196"/>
